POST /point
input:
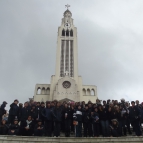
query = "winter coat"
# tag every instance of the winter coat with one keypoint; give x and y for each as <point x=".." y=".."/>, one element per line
<point x="86" y="116"/>
<point x="78" y="115"/>
<point x="2" y="109"/>
<point x="4" y="129"/>
<point x="25" y="124"/>
<point x="103" y="115"/>
<point x="57" y="114"/>
<point x="34" y="114"/>
<point x="67" y="111"/>
<point x="134" y="113"/>
<point x="14" y="110"/>
<point x="95" y="118"/>
<point x="24" y="114"/>
<point x="47" y="113"/>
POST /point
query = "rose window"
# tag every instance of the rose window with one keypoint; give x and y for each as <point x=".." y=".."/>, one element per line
<point x="66" y="84"/>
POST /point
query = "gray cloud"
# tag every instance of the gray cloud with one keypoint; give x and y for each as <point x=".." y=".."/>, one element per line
<point x="109" y="46"/>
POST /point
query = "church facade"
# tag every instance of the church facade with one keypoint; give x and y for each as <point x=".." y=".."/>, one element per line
<point x="66" y="84"/>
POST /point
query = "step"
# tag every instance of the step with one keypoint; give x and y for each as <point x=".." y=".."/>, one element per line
<point x="34" y="139"/>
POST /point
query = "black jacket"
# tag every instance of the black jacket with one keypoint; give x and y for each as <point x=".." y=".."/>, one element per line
<point x="4" y="129"/>
<point x="95" y="118"/>
<point x="14" y="110"/>
<point x="86" y="116"/>
<point x="2" y="109"/>
<point x="34" y="114"/>
<point x="67" y="111"/>
<point x="24" y="114"/>
<point x="134" y="113"/>
<point x="103" y="115"/>
<point x="57" y="114"/>
<point x="30" y="125"/>
<point x="47" y="113"/>
<point x="14" y="127"/>
<point x="41" y="126"/>
<point x="78" y="115"/>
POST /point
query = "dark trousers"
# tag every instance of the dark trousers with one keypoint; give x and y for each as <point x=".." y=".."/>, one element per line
<point x="105" y="128"/>
<point x="48" y="128"/>
<point x="27" y="132"/>
<point x="62" y="126"/>
<point x="78" y="129"/>
<point x="3" y="130"/>
<point x="38" y="132"/>
<point x="0" y="118"/>
<point x="96" y="129"/>
<point x="122" y="124"/>
<point x="136" y="126"/>
<point x="72" y="126"/>
<point x="115" y="133"/>
<point x="57" y="128"/>
<point x="128" y="125"/>
<point x="67" y="127"/>
<point x="87" y="129"/>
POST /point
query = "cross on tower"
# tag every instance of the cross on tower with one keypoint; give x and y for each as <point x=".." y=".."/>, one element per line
<point x="67" y="6"/>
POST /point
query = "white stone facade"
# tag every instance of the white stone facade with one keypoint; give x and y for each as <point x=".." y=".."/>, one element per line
<point x="66" y="83"/>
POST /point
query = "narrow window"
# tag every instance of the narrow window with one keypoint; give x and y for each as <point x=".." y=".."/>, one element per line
<point x="67" y="33"/>
<point x="71" y="33"/>
<point x="63" y="32"/>
<point x="39" y="90"/>
<point x="88" y="91"/>
<point x="84" y="91"/>
<point x="48" y="91"/>
<point x="43" y="90"/>
<point x="92" y="92"/>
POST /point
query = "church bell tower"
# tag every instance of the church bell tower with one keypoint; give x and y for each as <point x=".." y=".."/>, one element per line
<point x="66" y="59"/>
<point x="66" y="84"/>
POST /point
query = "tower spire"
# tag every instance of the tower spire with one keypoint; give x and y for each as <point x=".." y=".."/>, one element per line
<point x="67" y="6"/>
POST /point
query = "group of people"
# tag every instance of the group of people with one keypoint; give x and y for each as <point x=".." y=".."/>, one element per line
<point x="108" y="118"/>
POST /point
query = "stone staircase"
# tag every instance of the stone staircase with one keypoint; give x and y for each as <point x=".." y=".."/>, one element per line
<point x="33" y="139"/>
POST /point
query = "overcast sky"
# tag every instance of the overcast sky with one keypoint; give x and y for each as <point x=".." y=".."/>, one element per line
<point x="110" y="45"/>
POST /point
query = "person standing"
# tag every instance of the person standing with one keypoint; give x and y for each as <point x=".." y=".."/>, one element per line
<point x="95" y="121"/>
<point x="103" y="115"/>
<point x="77" y="116"/>
<point x="13" y="112"/>
<point x="47" y="114"/>
<point x="134" y="116"/>
<point x="57" y="115"/>
<point x="86" y="121"/>
<point x="67" y="117"/>
<point x="2" y="110"/>
<point x="24" y="112"/>
<point x="34" y="114"/>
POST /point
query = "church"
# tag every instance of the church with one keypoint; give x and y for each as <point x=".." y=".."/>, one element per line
<point x="66" y="84"/>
